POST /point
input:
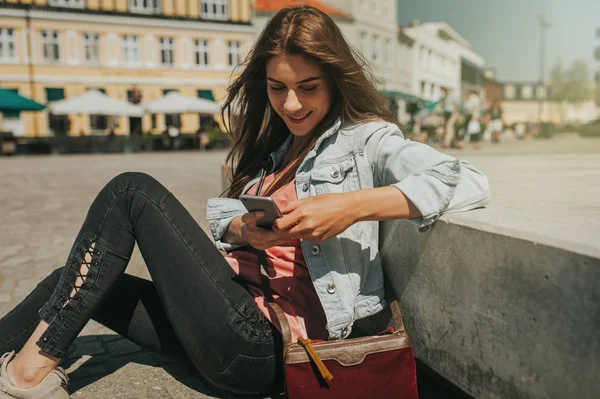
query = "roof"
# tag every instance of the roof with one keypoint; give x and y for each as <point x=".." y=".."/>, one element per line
<point x="276" y="5"/>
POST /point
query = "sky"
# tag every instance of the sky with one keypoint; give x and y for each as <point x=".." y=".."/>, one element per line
<point x="507" y="35"/>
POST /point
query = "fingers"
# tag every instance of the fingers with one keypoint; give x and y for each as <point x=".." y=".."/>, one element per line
<point x="287" y="222"/>
<point x="290" y="207"/>
<point x="251" y="217"/>
<point x="261" y="238"/>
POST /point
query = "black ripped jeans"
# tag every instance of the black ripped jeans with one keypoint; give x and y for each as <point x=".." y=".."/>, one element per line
<point x="194" y="307"/>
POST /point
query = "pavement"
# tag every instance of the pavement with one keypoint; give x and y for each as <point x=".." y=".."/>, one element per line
<point x="44" y="200"/>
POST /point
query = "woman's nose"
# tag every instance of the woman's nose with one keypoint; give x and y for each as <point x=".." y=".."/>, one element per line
<point x="291" y="102"/>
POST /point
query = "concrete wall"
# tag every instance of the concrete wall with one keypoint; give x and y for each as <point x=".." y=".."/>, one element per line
<point x="498" y="316"/>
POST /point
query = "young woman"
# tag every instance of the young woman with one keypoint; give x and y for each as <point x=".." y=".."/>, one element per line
<point x="309" y="117"/>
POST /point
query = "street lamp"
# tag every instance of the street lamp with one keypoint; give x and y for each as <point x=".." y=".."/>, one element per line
<point x="544" y="24"/>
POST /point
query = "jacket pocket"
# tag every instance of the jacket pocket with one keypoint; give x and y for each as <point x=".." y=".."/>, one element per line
<point x="335" y="177"/>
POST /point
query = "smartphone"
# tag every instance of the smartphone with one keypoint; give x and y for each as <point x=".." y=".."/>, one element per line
<point x="265" y="204"/>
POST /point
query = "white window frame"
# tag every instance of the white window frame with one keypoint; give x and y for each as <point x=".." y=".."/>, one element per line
<point x="91" y="45"/>
<point x="509" y="92"/>
<point x="387" y="51"/>
<point x="131" y="51"/>
<point x="234" y="53"/>
<point x="8" y="39"/>
<point x="527" y="92"/>
<point x="540" y="92"/>
<point x="50" y="42"/>
<point x="167" y="51"/>
<point x="67" y="3"/>
<point x="145" y="6"/>
<point x="214" y="9"/>
<point x="375" y="49"/>
<point x="364" y="44"/>
<point x="201" y="53"/>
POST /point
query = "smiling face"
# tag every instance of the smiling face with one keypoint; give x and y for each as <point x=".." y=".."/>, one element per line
<point x="298" y="91"/>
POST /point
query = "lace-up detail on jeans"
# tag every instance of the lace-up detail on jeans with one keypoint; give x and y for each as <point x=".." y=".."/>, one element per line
<point x="83" y="273"/>
<point x="78" y="280"/>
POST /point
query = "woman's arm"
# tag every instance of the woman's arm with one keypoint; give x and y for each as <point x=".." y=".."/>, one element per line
<point x="233" y="235"/>
<point x="381" y="203"/>
<point x="321" y="217"/>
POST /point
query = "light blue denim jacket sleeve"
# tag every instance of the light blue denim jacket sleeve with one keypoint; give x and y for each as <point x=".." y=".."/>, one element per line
<point x="434" y="182"/>
<point x="219" y="214"/>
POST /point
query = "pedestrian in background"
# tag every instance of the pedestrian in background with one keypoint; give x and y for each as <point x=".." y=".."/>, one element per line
<point x="472" y="123"/>
<point x="314" y="129"/>
<point x="496" y="125"/>
<point x="448" y="107"/>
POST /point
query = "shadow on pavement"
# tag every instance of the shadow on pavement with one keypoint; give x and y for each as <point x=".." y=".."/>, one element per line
<point x="93" y="357"/>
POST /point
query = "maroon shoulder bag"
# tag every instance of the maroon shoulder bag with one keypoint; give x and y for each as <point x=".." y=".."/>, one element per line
<point x="379" y="366"/>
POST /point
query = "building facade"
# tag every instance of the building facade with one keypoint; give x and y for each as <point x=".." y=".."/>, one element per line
<point x="134" y="50"/>
<point x="443" y="59"/>
<point x="374" y="32"/>
<point x="532" y="102"/>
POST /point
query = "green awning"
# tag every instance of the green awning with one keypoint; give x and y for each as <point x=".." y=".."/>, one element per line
<point x="400" y="95"/>
<point x="12" y="101"/>
<point x="54" y="94"/>
<point x="206" y="94"/>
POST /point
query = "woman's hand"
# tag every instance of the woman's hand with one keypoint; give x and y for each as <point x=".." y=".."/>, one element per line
<point x="316" y="218"/>
<point x="258" y="237"/>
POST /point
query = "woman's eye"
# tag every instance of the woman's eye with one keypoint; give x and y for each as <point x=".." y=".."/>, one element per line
<point x="275" y="88"/>
<point x="309" y="88"/>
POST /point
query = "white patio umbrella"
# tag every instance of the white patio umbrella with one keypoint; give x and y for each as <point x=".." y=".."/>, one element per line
<point x="177" y="103"/>
<point x="94" y="102"/>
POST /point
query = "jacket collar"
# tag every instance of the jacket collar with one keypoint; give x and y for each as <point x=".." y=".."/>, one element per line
<point x="278" y="155"/>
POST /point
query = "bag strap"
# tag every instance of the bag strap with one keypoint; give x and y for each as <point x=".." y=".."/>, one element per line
<point x="266" y="286"/>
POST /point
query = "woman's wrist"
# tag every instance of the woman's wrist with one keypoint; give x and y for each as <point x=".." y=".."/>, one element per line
<point x="233" y="235"/>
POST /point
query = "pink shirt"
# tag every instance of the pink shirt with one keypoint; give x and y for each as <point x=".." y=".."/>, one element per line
<point x="289" y="278"/>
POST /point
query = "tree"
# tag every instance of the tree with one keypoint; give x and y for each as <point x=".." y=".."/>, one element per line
<point x="572" y="86"/>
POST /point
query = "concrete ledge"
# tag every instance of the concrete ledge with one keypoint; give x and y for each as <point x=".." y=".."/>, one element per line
<point x="497" y="315"/>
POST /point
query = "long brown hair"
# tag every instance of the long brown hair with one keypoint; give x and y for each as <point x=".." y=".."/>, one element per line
<point x="256" y="128"/>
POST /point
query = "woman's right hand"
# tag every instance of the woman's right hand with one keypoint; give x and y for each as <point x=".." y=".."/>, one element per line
<point x="244" y="227"/>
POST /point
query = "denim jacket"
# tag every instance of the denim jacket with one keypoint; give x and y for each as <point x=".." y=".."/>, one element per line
<point x="346" y="270"/>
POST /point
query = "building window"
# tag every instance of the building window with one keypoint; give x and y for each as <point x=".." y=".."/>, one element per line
<point x="215" y="9"/>
<point x="509" y="92"/>
<point x="233" y="52"/>
<point x="540" y="93"/>
<point x="8" y="45"/>
<point x="67" y="3"/>
<point x="387" y="51"/>
<point x="144" y="6"/>
<point x="526" y="92"/>
<point x="50" y="46"/>
<point x="201" y="51"/>
<point x="131" y="50"/>
<point x="375" y="49"/>
<point x="166" y="51"/>
<point x="91" y="48"/>
<point x="98" y="123"/>
<point x="58" y="124"/>
<point x="364" y="45"/>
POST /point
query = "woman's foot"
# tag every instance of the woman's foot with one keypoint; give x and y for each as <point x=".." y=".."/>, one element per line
<point x="53" y="386"/>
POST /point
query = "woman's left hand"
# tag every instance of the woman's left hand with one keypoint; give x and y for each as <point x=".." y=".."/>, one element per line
<point x="316" y="218"/>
